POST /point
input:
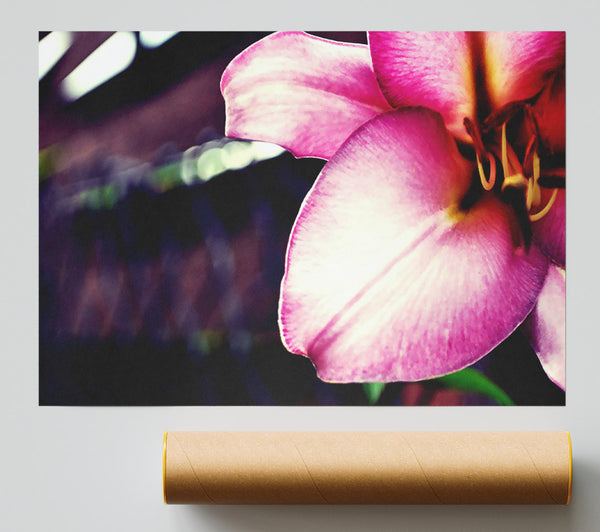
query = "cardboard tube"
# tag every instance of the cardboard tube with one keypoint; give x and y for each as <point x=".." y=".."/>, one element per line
<point x="367" y="467"/>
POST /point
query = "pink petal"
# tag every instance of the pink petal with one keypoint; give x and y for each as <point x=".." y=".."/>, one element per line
<point x="304" y="93"/>
<point x="545" y="327"/>
<point x="550" y="232"/>
<point x="385" y="278"/>
<point x="519" y="63"/>
<point x="432" y="69"/>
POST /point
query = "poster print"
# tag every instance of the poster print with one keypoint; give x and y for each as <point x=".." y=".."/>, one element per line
<point x="302" y="219"/>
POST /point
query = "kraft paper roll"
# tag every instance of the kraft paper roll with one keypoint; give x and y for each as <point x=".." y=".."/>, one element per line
<point x="367" y="467"/>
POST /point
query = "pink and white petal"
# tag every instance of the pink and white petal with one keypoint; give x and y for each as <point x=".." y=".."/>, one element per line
<point x="432" y="69"/>
<point x="386" y="279"/>
<point x="519" y="63"/>
<point x="550" y="232"/>
<point x="304" y="93"/>
<point x="545" y="327"/>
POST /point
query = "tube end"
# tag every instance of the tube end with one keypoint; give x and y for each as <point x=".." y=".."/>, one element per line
<point x="570" y="467"/>
<point x="164" y="467"/>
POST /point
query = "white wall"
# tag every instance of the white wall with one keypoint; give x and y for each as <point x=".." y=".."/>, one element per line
<point x="98" y="469"/>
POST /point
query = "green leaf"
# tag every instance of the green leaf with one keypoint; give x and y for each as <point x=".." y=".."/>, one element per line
<point x="471" y="380"/>
<point x="373" y="391"/>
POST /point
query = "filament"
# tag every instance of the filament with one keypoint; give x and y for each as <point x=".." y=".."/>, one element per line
<point x="513" y="173"/>
<point x="485" y="183"/>
<point x="539" y="215"/>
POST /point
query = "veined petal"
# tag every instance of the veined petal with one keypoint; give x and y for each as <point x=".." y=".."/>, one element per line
<point x="550" y="232"/>
<point x="545" y="327"/>
<point x="519" y="63"/>
<point x="432" y="69"/>
<point x="386" y="279"/>
<point x="304" y="93"/>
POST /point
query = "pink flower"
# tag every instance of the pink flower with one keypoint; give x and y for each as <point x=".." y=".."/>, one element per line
<point x="437" y="226"/>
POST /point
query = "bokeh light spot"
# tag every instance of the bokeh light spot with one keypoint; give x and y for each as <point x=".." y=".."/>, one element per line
<point x="154" y="39"/>
<point x="109" y="59"/>
<point x="51" y="48"/>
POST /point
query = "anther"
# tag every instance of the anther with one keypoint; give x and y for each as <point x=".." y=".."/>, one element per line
<point x="552" y="179"/>
<point x="513" y="173"/>
<point x="539" y="215"/>
<point x="529" y="195"/>
<point x="487" y="184"/>
<point x="503" y="115"/>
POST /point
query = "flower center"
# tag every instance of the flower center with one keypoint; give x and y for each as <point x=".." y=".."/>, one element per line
<point x="513" y="177"/>
<point x="515" y="163"/>
<point x="499" y="166"/>
<point x="513" y="174"/>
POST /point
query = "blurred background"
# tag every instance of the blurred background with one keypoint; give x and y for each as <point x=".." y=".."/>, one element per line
<point x="162" y="243"/>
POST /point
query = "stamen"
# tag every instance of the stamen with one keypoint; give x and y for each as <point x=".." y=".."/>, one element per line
<point x="473" y="132"/>
<point x="534" y="194"/>
<point x="536" y="167"/>
<point x="552" y="179"/>
<point x="539" y="215"/>
<point x="532" y="121"/>
<point x="503" y="115"/>
<point x="529" y="195"/>
<point x="522" y="179"/>
<point x="531" y="147"/>
<point x="513" y="173"/>
<point x="555" y="173"/>
<point x="504" y="149"/>
<point x="485" y="183"/>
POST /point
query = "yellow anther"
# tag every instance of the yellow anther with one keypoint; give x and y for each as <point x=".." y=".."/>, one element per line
<point x="534" y="194"/>
<point x="539" y="215"/>
<point x="515" y="181"/>
<point x="485" y="183"/>
<point x="529" y="195"/>
<point x="536" y="167"/>
<point x="513" y="173"/>
<point x="504" y="149"/>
